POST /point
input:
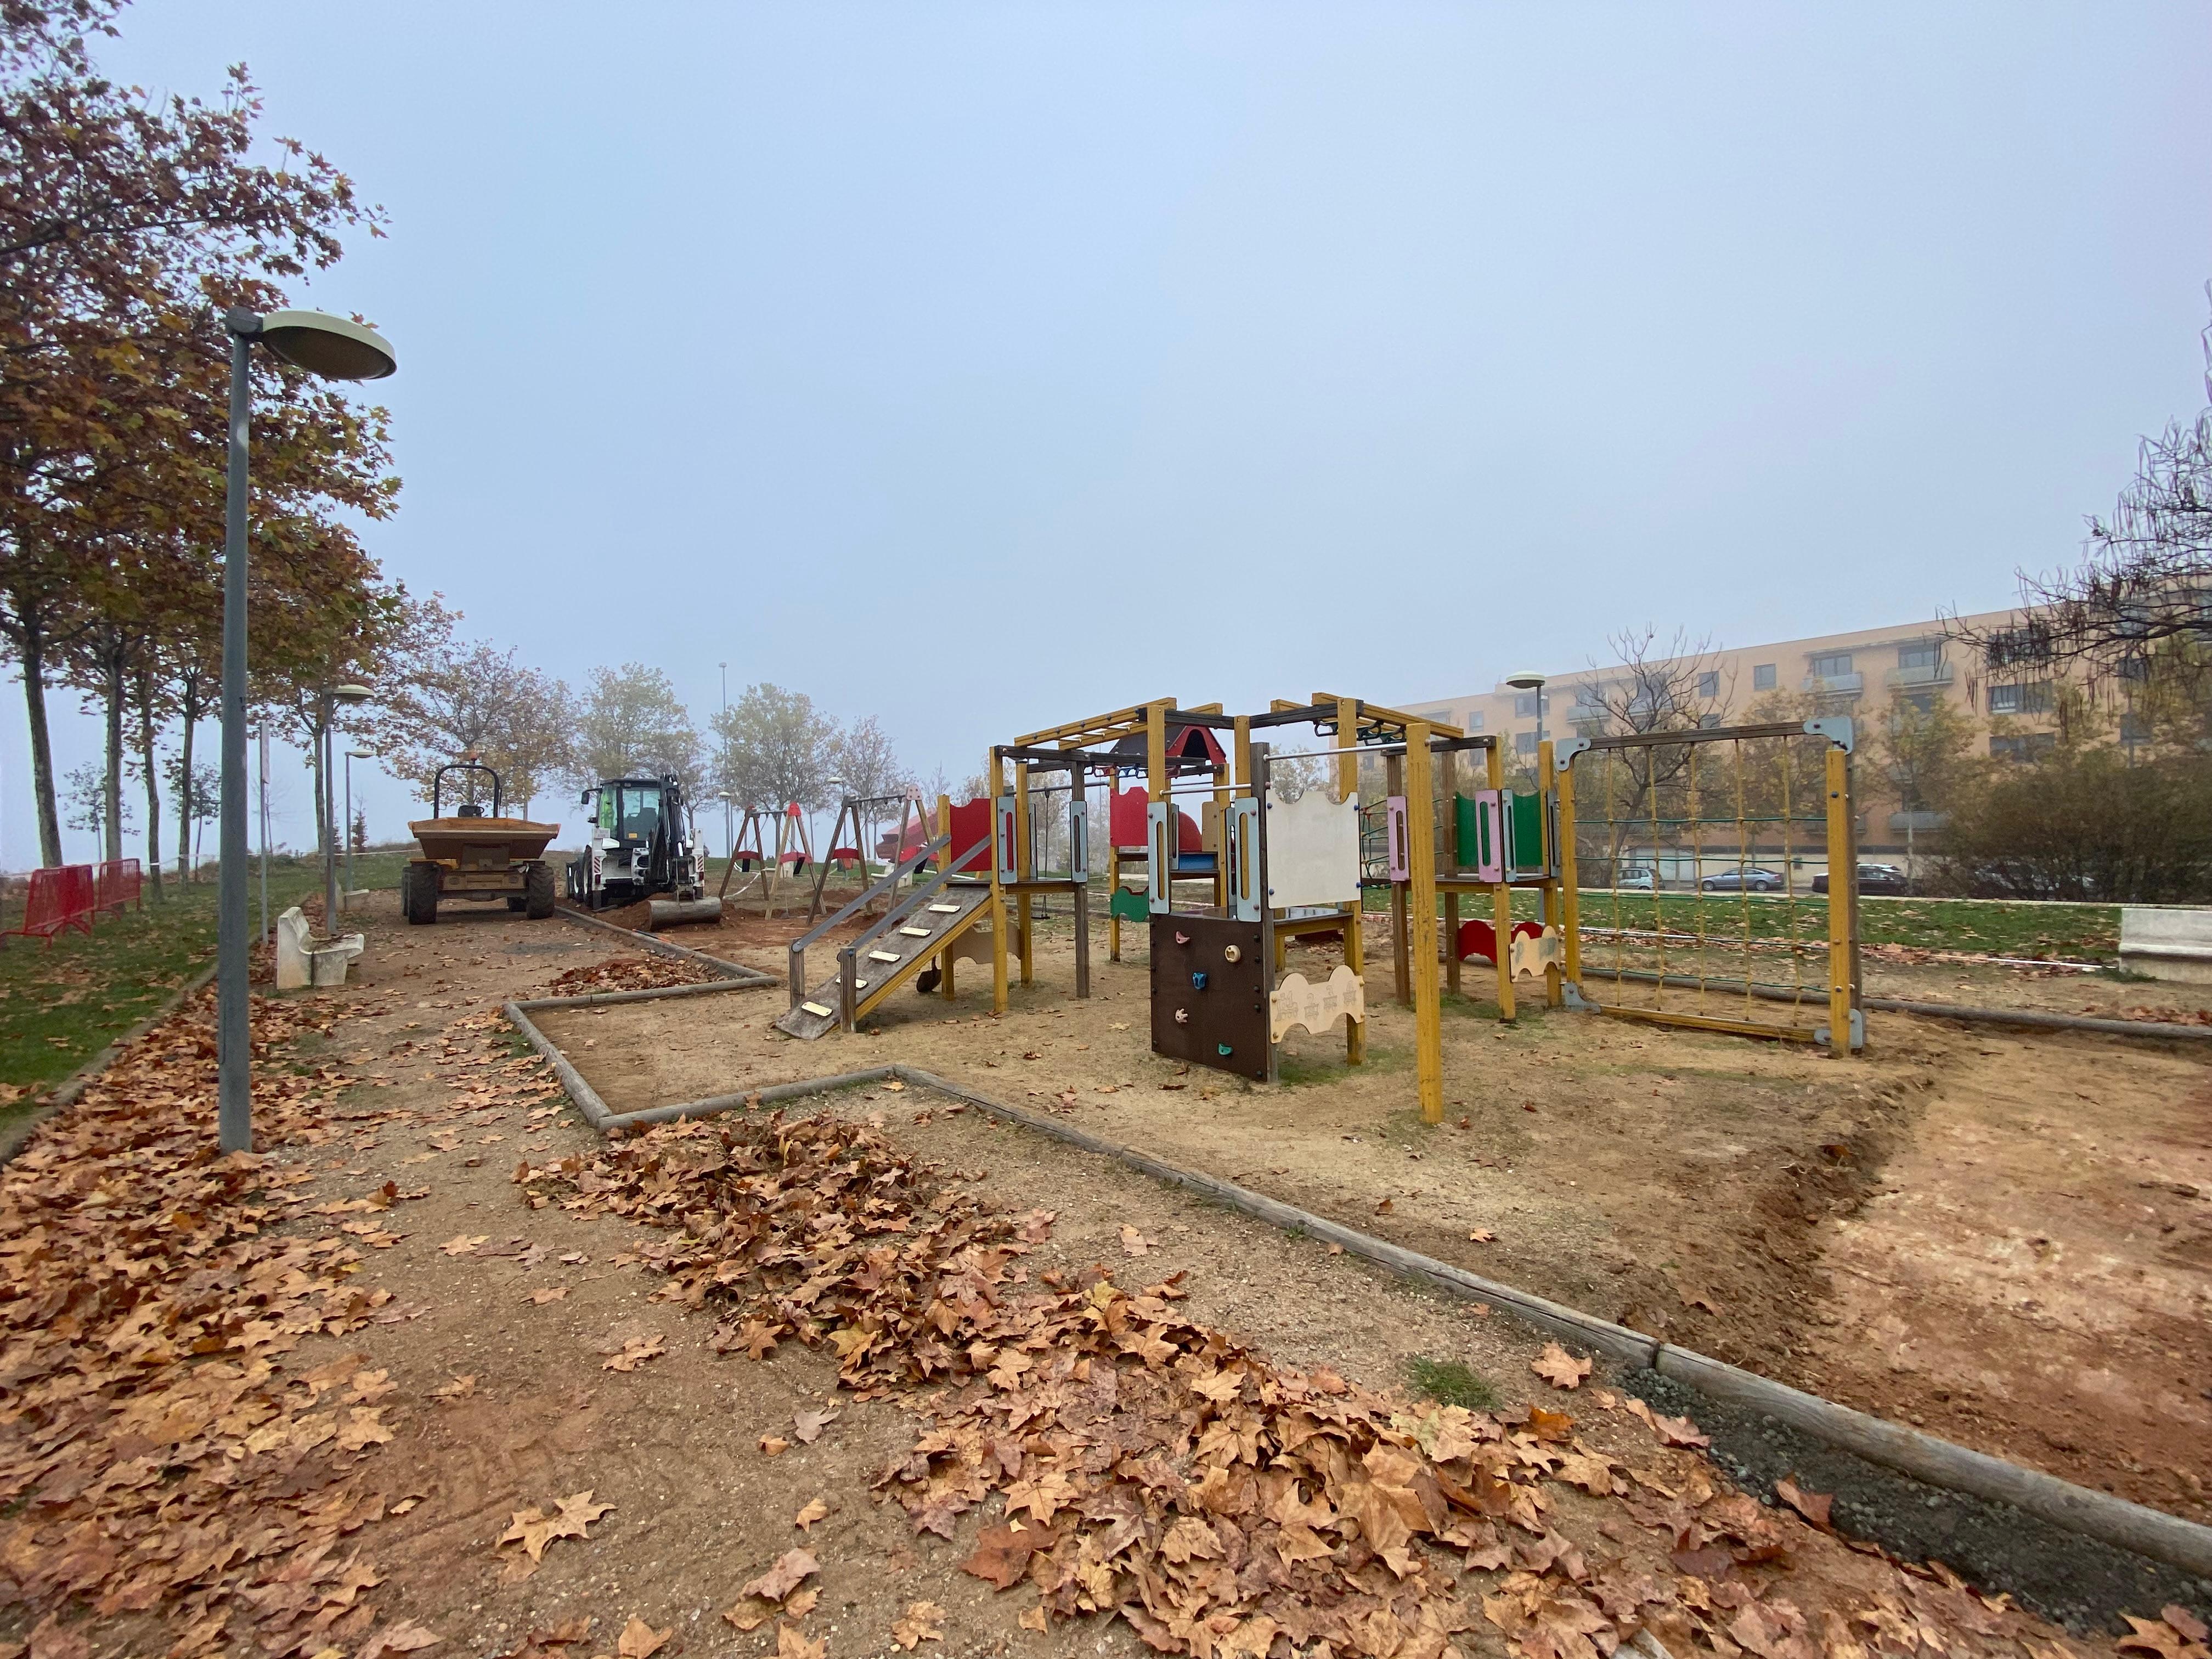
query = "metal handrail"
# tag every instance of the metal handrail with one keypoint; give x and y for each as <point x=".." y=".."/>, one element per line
<point x="849" y="954"/>
<point x="796" y="969"/>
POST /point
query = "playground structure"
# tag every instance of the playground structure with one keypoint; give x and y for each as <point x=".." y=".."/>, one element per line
<point x="1281" y="847"/>
<point x="1689" y="820"/>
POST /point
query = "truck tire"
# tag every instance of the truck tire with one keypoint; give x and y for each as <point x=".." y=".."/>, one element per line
<point x="418" y="894"/>
<point x="538" y="891"/>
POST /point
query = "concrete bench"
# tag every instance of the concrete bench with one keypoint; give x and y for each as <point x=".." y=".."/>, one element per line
<point x="303" y="960"/>
<point x="2167" y="942"/>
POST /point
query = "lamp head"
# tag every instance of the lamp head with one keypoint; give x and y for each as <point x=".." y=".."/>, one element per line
<point x="335" y="348"/>
<point x="1526" y="680"/>
<point x="350" y="693"/>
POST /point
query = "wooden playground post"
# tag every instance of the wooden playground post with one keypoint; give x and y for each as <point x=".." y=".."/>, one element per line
<point x="1023" y="871"/>
<point x="1447" y="788"/>
<point x="1113" y="867"/>
<point x="1079" y="789"/>
<point x="1502" y="894"/>
<point x="1842" y="888"/>
<point x="1355" y="942"/>
<point x="1571" y="896"/>
<point x="1347" y="746"/>
<point x="1421" y="885"/>
<point x="945" y="862"/>
<point x="997" y="781"/>
<point x="1393" y="783"/>
<point x="1554" y="995"/>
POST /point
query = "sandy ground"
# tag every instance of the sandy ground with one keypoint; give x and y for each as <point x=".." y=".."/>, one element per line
<point x="504" y="1313"/>
<point x="2004" y="1237"/>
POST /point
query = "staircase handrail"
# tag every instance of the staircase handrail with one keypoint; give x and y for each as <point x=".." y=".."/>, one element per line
<point x="849" y="954"/>
<point x="797" y="973"/>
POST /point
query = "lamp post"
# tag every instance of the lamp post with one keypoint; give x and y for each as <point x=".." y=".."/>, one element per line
<point x="351" y="756"/>
<point x="1529" y="680"/>
<point x="336" y="350"/>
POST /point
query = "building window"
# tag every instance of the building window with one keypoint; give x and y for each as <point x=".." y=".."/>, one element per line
<point x="2028" y="697"/>
<point x="1709" y="683"/>
<point x="2025" y="646"/>
<point x="2028" y="746"/>
<point x="1524" y="743"/>
<point x="1762" y="677"/>
<point x="1920" y="702"/>
<point x="1833" y="665"/>
<point x="1928" y="653"/>
<point x="1527" y="705"/>
<point x="1709" y="722"/>
<point x="1473" y="721"/>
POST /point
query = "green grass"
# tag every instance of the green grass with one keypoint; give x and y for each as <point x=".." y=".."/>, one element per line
<point x="61" y="1004"/>
<point x="1450" y="1382"/>
<point x="1986" y="927"/>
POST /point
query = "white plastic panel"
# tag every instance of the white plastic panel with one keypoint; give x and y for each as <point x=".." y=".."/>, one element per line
<point x="1313" y="851"/>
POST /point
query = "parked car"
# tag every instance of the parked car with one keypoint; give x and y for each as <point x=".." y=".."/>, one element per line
<point x="1744" y="881"/>
<point x="1637" y="879"/>
<point x="1876" y="879"/>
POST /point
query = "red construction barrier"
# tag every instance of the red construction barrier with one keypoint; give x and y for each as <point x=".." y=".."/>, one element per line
<point x="61" y="897"/>
<point x="117" y="883"/>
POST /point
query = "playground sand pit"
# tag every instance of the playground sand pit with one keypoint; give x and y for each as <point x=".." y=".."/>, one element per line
<point x="2003" y="1237"/>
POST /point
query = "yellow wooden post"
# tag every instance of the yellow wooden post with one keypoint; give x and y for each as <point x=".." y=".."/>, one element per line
<point x="1843" y="870"/>
<point x="1421" y="901"/>
<point x="1157" y="789"/>
<point x="1355" y="958"/>
<point x="1571" y="898"/>
<point x="1554" y="996"/>
<point x="1022" y="872"/>
<point x="1501" y="907"/>
<point x="1347" y="746"/>
<point x="1448" y="792"/>
<point x="997" y="783"/>
<point x="945" y="862"/>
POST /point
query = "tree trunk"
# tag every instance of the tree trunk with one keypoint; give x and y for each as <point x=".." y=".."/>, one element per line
<point x="110" y="696"/>
<point x="32" y="662"/>
<point x="144" y="685"/>
<point x="185" y="802"/>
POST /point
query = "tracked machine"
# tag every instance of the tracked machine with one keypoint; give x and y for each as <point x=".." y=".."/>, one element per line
<point x="642" y="844"/>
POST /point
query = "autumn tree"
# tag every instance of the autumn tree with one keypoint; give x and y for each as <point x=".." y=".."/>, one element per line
<point x="475" y="700"/>
<point x="631" y="724"/>
<point x="774" y="747"/>
<point x="863" y="757"/>
<point x="125" y="220"/>
<point x="1924" y="746"/>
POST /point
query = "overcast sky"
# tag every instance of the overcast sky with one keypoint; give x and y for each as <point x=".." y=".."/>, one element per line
<point x="983" y="367"/>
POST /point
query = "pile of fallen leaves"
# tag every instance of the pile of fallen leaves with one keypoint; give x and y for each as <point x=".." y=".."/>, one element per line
<point x="158" y="1456"/>
<point x="1156" y="1469"/>
<point x="640" y="973"/>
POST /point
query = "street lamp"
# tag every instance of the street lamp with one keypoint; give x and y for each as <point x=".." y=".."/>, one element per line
<point x="1528" y="680"/>
<point x="335" y="349"/>
<point x="351" y="756"/>
<point x="326" y="707"/>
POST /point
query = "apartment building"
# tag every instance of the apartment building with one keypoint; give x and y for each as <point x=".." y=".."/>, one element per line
<point x="1858" y="673"/>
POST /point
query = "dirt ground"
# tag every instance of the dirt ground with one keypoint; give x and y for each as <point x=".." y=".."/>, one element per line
<point x="527" y="1365"/>
<point x="2004" y="1237"/>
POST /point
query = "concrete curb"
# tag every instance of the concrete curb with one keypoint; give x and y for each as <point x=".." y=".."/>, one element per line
<point x="732" y="970"/>
<point x="2078" y="1509"/>
<point x="78" y="1081"/>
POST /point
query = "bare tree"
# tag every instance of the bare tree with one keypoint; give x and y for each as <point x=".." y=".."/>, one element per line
<point x="1645" y="689"/>
<point x="2141" y="598"/>
<point x="632" y="724"/>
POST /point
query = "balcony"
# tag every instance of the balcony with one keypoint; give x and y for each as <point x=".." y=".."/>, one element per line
<point x="1905" y="679"/>
<point x="1836" y="685"/>
<point x="1918" y="823"/>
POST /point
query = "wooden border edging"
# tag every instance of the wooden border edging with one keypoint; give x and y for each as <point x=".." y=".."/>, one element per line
<point x="727" y="969"/>
<point x="2030" y="1017"/>
<point x="2113" y="1520"/>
